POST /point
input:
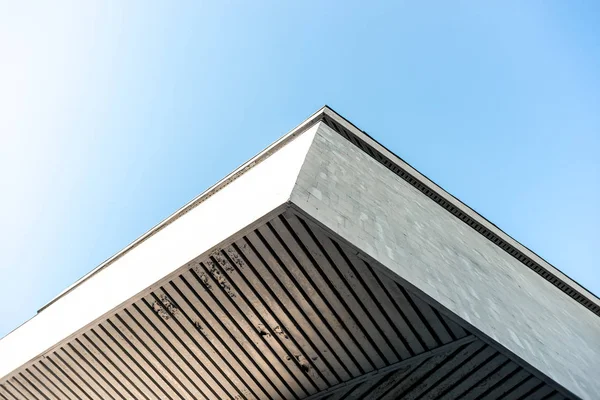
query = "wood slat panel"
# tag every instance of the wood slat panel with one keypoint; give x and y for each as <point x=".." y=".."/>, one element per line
<point x="285" y="312"/>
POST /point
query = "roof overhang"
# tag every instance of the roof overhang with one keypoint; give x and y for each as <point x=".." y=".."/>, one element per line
<point x="265" y="286"/>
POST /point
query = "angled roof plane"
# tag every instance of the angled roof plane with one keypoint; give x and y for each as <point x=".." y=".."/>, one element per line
<point x="323" y="268"/>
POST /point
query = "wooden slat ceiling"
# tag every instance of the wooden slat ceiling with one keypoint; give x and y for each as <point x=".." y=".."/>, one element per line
<point x="284" y="312"/>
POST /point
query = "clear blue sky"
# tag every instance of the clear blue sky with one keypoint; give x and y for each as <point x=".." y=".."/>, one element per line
<point x="114" y="114"/>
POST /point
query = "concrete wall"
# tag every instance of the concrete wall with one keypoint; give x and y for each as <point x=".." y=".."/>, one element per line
<point x="392" y="222"/>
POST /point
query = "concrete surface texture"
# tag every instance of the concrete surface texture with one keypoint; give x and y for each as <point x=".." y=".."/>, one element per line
<point x="344" y="194"/>
<point x="427" y="247"/>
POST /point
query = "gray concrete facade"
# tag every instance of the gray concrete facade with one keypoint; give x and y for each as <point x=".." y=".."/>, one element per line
<point x="323" y="268"/>
<point x="450" y="263"/>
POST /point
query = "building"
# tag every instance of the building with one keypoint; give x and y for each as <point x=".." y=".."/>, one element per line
<point x="323" y="268"/>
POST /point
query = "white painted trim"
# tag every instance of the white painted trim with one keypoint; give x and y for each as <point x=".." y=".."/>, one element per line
<point x="263" y="187"/>
<point x="200" y="198"/>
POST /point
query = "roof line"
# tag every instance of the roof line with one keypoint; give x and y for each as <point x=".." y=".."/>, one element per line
<point x="460" y="210"/>
<point x="401" y="168"/>
<point x="274" y="147"/>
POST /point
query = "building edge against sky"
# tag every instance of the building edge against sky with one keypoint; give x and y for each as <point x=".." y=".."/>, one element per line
<point x="447" y="252"/>
<point x="452" y="263"/>
<point x="163" y="249"/>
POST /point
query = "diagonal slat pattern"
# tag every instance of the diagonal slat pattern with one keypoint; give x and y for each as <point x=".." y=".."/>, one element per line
<point x="445" y="376"/>
<point x="284" y="312"/>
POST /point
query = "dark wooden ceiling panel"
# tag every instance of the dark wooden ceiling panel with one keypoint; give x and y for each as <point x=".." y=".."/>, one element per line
<point x="284" y="312"/>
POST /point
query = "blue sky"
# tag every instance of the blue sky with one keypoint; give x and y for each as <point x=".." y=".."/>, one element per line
<point x="114" y="114"/>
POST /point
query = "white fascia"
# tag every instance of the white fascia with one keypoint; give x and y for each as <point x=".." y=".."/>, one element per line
<point x="252" y="191"/>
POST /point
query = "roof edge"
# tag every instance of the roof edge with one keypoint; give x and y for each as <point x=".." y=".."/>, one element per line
<point x="239" y="171"/>
<point x="460" y="210"/>
<point x="401" y="168"/>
